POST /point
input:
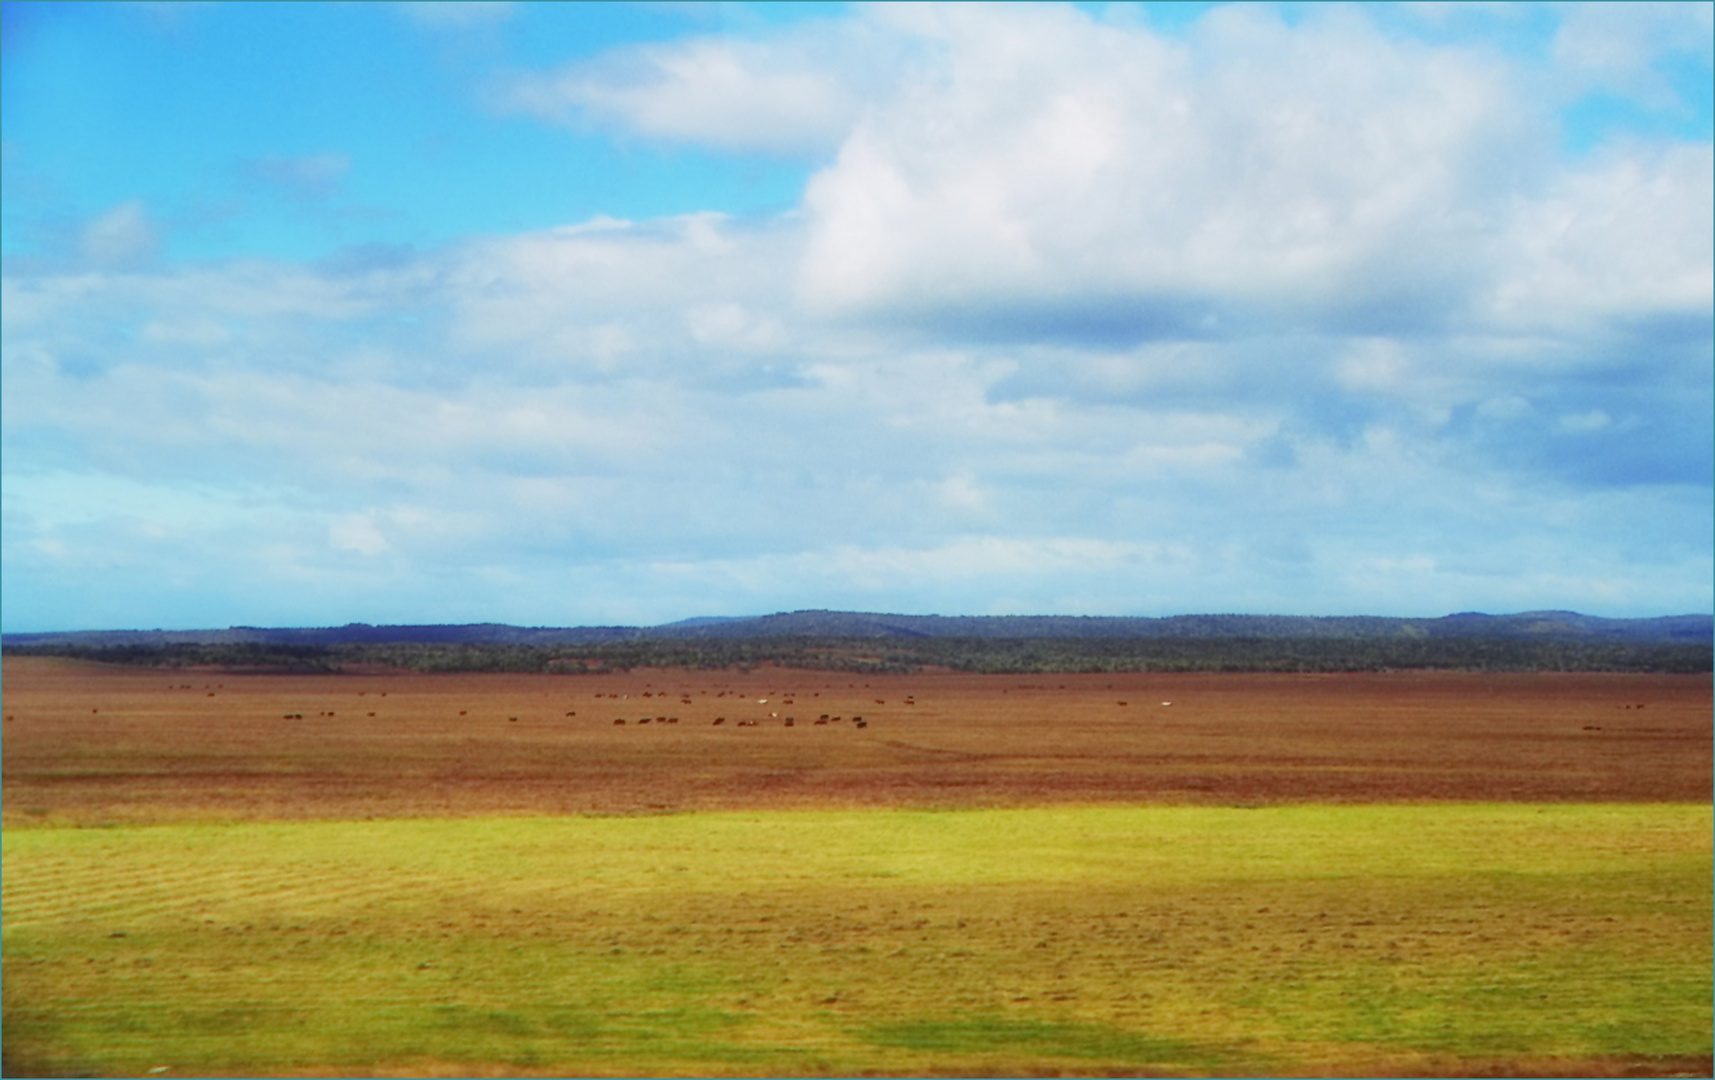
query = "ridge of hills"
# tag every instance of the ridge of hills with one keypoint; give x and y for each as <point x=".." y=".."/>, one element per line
<point x="1542" y="626"/>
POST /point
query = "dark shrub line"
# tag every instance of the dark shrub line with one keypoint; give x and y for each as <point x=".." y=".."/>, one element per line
<point x="978" y="655"/>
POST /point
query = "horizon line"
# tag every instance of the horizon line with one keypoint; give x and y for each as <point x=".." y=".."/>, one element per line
<point x="1470" y="613"/>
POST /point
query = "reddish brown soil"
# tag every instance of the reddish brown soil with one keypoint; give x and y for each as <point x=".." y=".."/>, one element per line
<point x="87" y="743"/>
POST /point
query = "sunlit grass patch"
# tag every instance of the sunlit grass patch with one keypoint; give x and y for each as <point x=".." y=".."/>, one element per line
<point x="1004" y="1039"/>
<point x="1142" y="939"/>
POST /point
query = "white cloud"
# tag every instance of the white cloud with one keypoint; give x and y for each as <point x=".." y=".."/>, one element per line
<point x="593" y="295"/>
<point x="962" y="493"/>
<point x="359" y="533"/>
<point x="123" y="237"/>
<point x="899" y="578"/>
<point x="194" y="332"/>
<point x="1627" y="238"/>
<point x="732" y="325"/>
<point x="793" y="94"/>
<point x="1066" y="164"/>
<point x="1375" y="364"/>
<point x="1615" y="46"/>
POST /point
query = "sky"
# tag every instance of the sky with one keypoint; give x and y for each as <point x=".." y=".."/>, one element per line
<point x="578" y="314"/>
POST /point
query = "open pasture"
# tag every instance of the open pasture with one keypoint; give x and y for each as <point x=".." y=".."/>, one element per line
<point x="1402" y="940"/>
<point x="90" y="743"/>
<point x="395" y="874"/>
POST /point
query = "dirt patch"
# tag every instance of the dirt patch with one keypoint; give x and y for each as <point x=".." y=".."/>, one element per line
<point x="88" y="743"/>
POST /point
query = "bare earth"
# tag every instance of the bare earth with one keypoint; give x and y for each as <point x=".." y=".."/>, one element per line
<point x="91" y="743"/>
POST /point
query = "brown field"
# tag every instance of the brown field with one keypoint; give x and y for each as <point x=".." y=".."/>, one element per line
<point x="901" y="944"/>
<point x="87" y="743"/>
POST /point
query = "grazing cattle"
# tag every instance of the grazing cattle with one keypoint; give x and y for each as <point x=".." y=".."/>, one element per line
<point x="643" y="720"/>
<point x="619" y="722"/>
<point x="1124" y="703"/>
<point x="824" y="716"/>
<point x="672" y="719"/>
<point x="789" y="721"/>
<point x="371" y="714"/>
<point x="512" y="719"/>
<point x="861" y="723"/>
<point x="719" y="720"/>
<point x="821" y="723"/>
<point x="857" y="719"/>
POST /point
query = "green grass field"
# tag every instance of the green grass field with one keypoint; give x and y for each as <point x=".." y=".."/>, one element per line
<point x="1129" y="940"/>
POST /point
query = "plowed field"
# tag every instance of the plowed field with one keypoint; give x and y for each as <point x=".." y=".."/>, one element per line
<point x="89" y="743"/>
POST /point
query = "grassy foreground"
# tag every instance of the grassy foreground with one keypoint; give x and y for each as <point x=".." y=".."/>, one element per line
<point x="1115" y="940"/>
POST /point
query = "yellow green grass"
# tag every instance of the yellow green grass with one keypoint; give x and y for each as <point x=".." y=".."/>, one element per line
<point x="1142" y="940"/>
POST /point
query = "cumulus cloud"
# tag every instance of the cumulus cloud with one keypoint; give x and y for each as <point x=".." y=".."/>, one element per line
<point x="795" y="94"/>
<point x="1068" y="178"/>
<point x="1032" y="173"/>
<point x="1626" y="238"/>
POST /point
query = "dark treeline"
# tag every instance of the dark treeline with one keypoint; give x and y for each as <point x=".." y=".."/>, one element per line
<point x="819" y="626"/>
<point x="237" y="656"/>
<point x="869" y="655"/>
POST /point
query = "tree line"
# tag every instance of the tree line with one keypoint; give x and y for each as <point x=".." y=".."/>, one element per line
<point x="1058" y="655"/>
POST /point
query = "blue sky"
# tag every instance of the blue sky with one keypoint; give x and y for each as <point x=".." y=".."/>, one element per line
<point x="561" y="314"/>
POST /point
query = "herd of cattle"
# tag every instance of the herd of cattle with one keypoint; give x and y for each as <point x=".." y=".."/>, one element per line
<point x="786" y="721"/>
<point x="772" y="718"/>
<point x="789" y="721"/>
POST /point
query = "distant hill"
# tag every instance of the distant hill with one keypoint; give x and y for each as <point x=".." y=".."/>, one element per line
<point x="1532" y="625"/>
<point x="1544" y="626"/>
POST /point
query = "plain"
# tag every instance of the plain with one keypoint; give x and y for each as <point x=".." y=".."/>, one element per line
<point x="1037" y="880"/>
